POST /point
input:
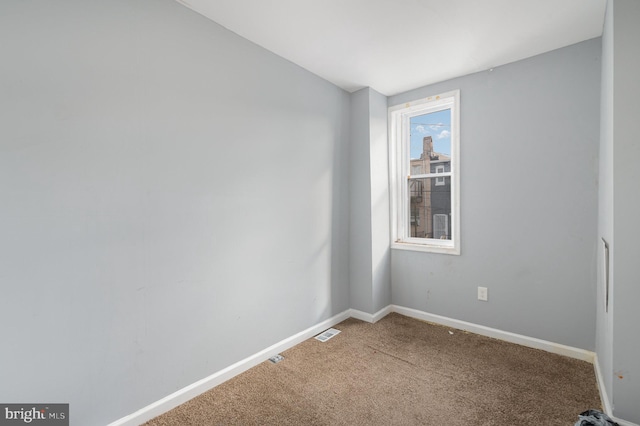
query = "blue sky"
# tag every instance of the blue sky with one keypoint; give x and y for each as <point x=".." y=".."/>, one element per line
<point x="438" y="126"/>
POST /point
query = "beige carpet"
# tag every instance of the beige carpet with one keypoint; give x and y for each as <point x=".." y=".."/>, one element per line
<point x="400" y="371"/>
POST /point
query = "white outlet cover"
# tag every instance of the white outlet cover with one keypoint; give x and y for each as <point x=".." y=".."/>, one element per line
<point x="483" y="294"/>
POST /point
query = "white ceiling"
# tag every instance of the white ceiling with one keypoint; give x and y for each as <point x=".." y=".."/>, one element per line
<point x="396" y="45"/>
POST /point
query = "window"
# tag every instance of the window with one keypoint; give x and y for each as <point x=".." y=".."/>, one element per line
<point x="424" y="155"/>
<point x="439" y="180"/>
<point x="441" y="226"/>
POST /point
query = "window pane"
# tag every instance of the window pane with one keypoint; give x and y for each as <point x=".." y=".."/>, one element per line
<point x="430" y="208"/>
<point x="430" y="141"/>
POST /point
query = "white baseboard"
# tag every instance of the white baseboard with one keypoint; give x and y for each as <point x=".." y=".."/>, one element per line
<point x="606" y="404"/>
<point x="507" y="336"/>
<point x="372" y="318"/>
<point x="519" y="339"/>
<point x="189" y="392"/>
<point x="604" y="397"/>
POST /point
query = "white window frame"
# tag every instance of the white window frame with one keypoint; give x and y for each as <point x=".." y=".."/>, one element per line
<point x="400" y="168"/>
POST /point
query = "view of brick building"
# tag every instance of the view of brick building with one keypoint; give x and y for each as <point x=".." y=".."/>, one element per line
<point x="430" y="197"/>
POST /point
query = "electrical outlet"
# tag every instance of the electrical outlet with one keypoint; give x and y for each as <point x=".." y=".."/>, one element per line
<point x="483" y="294"/>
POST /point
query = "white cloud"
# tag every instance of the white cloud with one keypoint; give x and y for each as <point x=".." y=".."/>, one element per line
<point x="444" y="134"/>
<point x="421" y="129"/>
<point x="436" y="126"/>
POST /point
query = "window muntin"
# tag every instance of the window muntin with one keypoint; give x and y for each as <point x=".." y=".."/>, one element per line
<point x="424" y="164"/>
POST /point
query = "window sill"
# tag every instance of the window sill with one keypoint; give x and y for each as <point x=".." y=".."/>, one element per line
<point x="427" y="248"/>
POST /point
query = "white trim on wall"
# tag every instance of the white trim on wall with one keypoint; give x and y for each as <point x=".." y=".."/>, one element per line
<point x="372" y="318"/>
<point x="507" y="336"/>
<point x="189" y="392"/>
<point x="519" y="339"/>
<point x="604" y="398"/>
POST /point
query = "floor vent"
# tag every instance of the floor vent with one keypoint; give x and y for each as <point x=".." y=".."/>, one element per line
<point x="276" y="358"/>
<point x="326" y="335"/>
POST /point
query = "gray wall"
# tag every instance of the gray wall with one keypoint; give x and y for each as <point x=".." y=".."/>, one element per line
<point x="360" y="269"/>
<point x="626" y="210"/>
<point x="370" y="277"/>
<point x="529" y="201"/>
<point x="380" y="232"/>
<point x="604" y="323"/>
<point x="173" y="199"/>
<point x="618" y="338"/>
